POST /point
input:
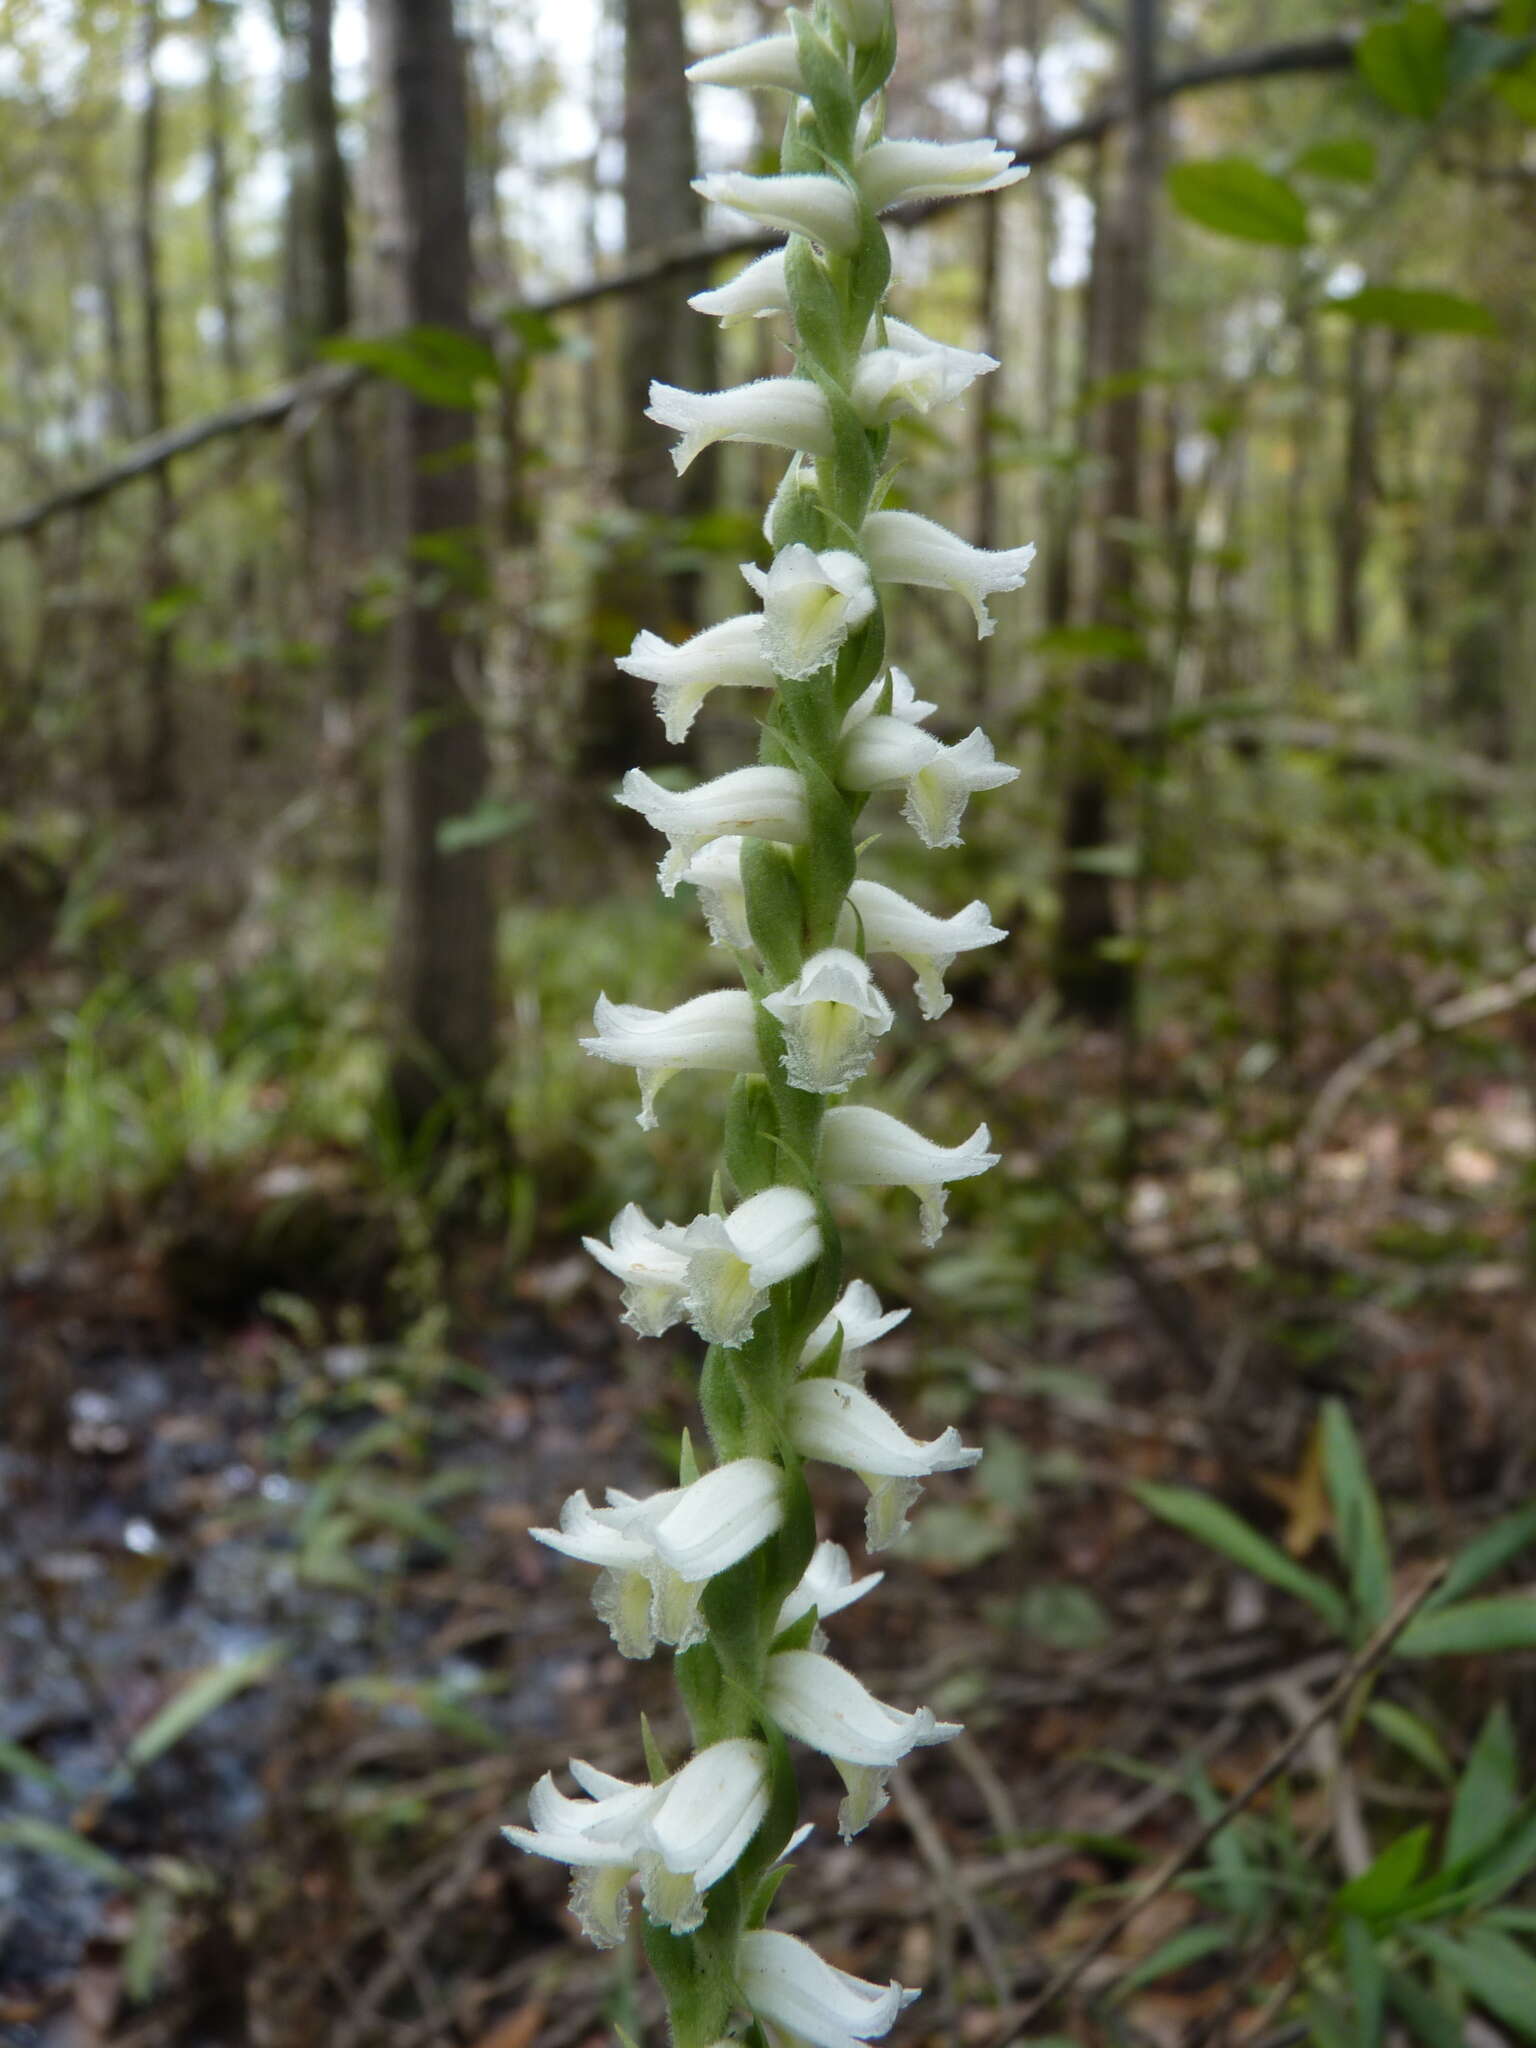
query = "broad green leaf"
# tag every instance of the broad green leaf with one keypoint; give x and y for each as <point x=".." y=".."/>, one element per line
<point x="1367" y="1981"/>
<point x="42" y="1838"/>
<point x="436" y="364"/>
<point x="1427" y="2019"/>
<point x="1350" y="159"/>
<point x="1484" y="1555"/>
<point x="1212" y="1524"/>
<point x="1473" y="1628"/>
<point x="1488" y="1797"/>
<point x="1377" y="1890"/>
<point x="203" y="1694"/>
<point x="1176" y="1953"/>
<point x="1510" y="1861"/>
<point x="1406" y="60"/>
<point x="1231" y="195"/>
<point x="1415" y="311"/>
<point x="1412" y="1735"/>
<point x="1496" y="1971"/>
<point x="1358" y="1528"/>
<point x="489" y="821"/>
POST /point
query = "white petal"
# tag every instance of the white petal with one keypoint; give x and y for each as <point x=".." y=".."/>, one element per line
<point x="903" y="547"/>
<point x="861" y="1319"/>
<point x="866" y="1148"/>
<point x="759" y="803"/>
<point x="726" y="656"/>
<point x="772" y="61"/>
<point x="720" y="1518"/>
<point x="752" y="294"/>
<point x="801" y="203"/>
<point x="811" y="603"/>
<point x="840" y="1423"/>
<point x="715" y="871"/>
<point x="787" y="1983"/>
<point x="831" y="1014"/>
<point x="828" y="1585"/>
<point x="892" y="173"/>
<point x="825" y="1706"/>
<point x="712" y="1808"/>
<point x="773" y="412"/>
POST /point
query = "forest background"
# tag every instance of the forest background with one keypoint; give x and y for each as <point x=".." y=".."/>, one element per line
<point x="326" y="503"/>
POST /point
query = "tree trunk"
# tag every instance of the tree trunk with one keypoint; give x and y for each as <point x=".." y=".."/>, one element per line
<point x="157" y="778"/>
<point x="214" y="19"/>
<point x="1352" y="516"/>
<point x="442" y="952"/>
<point x="1092" y="980"/>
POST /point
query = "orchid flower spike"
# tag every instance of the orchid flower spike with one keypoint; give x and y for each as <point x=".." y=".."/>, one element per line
<point x="655" y="1556"/>
<point x="826" y="1707"/>
<point x="728" y="656"/>
<point x="799" y="203"/>
<point x="713" y="1034"/>
<point x="775" y="412"/>
<point x="811" y="603"/>
<point x="733" y="1260"/>
<point x="806" y="2000"/>
<point x="757" y="803"/>
<point x="831" y="1013"/>
<point x="836" y="1420"/>
<point x="892" y="923"/>
<point x="866" y="1148"/>
<point x="903" y="547"/>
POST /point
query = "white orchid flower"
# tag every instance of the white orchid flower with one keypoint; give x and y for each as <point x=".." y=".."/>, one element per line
<point x="911" y="374"/>
<point x="858" y="1314"/>
<point x="903" y="547"/>
<point x="904" y="703"/>
<point x="805" y="2001"/>
<point x="754" y="293"/>
<point x="825" y="1706"/>
<point x="655" y="1556"/>
<point x="654" y="1273"/>
<point x="715" y="871"/>
<point x="796" y="202"/>
<point x="772" y="412"/>
<point x="892" y="923"/>
<point x="894" y="173"/>
<point x="837" y="1421"/>
<point x="831" y="1014"/>
<point x="758" y="803"/>
<point x="772" y="61"/>
<point x="712" y="1034"/>
<point x="733" y="1260"/>
<point x="678" y="1837"/>
<point x="937" y="781"/>
<point x="811" y="603"/>
<point x="863" y="1147"/>
<point x="829" y="1586"/>
<point x="728" y="656"/>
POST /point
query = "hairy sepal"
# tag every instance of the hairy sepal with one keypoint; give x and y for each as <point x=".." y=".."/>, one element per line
<point x="826" y="864"/>
<point x="858" y="663"/>
<point x="873" y="66"/>
<point x="827" y="87"/>
<point x="817" y="304"/>
<point x="751" y="1124"/>
<point x="797" y="1636"/>
<point x="720" y="1400"/>
<point x="850" y="475"/>
<point x="824" y="1365"/>
<point x="869" y="278"/>
<point x="775" y="914"/>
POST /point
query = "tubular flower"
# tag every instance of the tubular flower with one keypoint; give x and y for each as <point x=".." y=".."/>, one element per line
<point x="678" y="1837"/>
<point x="755" y="293"/>
<point x="836" y="1420"/>
<point x="811" y="603"/>
<point x="727" y="656"/>
<point x="891" y="923"/>
<point x="772" y="61"/>
<point x="882" y="752"/>
<point x="826" y="1707"/>
<point x="654" y="1274"/>
<point x="757" y="803"/>
<point x="715" y="871"/>
<point x="801" y="203"/>
<point x="793" y="1989"/>
<point x="858" y="1315"/>
<point x="655" y="1556"/>
<point x="832" y="1013"/>
<point x="910" y="373"/>
<point x="775" y="412"/>
<point x="866" y="1148"/>
<point x="733" y="1260"/>
<point x="894" y="173"/>
<point x="712" y="1034"/>
<point x="903" y="547"/>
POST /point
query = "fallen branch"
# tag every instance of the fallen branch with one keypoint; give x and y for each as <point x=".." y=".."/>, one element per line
<point x="1356" y="747"/>
<point x="1364" y="1661"/>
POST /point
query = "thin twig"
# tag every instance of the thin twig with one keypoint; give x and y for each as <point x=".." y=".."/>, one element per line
<point x="951" y="1882"/>
<point x="1365" y="1660"/>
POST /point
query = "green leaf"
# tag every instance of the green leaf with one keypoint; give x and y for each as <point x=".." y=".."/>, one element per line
<point x="1231" y="195"/>
<point x="1495" y="1970"/>
<point x="1349" y="158"/>
<point x="1358" y="1528"/>
<point x="1433" y="2026"/>
<point x="21" y="1763"/>
<point x="1517" y="89"/>
<point x="1411" y="310"/>
<point x="145" y="1954"/>
<point x="1406" y="61"/>
<point x="1174" y="1954"/>
<point x="1412" y="1735"/>
<point x="1473" y="1628"/>
<point x="1376" y="1891"/>
<point x="1067" y="644"/>
<point x="1484" y="1555"/>
<point x="1488" y="1796"/>
<point x="42" y="1838"/>
<point x="1367" y="1981"/>
<point x="437" y="364"/>
<point x="490" y="820"/>
<point x="1212" y="1524"/>
<point x="203" y="1694"/>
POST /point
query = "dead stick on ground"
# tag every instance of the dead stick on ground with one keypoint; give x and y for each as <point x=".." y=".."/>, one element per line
<point x="1365" y="1660"/>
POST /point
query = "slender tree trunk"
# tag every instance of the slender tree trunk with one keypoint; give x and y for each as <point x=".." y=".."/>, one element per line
<point x="443" y="923"/>
<point x="1093" y="979"/>
<point x="214" y="19"/>
<point x="984" y="397"/>
<point x="1352" y="516"/>
<point x="157" y="778"/>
